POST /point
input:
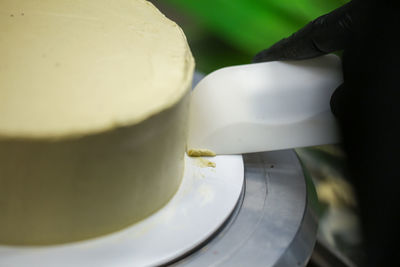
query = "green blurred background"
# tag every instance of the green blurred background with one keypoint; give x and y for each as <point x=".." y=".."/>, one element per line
<point x="230" y="32"/>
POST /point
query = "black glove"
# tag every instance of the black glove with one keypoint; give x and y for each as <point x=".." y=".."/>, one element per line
<point x="326" y="34"/>
<point x="367" y="106"/>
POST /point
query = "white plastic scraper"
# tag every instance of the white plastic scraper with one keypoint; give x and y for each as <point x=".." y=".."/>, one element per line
<point x="265" y="106"/>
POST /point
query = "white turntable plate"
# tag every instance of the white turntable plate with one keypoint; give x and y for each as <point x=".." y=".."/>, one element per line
<point x="203" y="202"/>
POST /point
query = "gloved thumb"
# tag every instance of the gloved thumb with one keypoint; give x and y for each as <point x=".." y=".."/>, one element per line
<point x="337" y="102"/>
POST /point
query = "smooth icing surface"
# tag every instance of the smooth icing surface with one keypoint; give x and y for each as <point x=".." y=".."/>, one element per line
<point x="94" y="99"/>
<point x="66" y="63"/>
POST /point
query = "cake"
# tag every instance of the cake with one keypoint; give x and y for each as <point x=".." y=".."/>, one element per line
<point x="93" y="117"/>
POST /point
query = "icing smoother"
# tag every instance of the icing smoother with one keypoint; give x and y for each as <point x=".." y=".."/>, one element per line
<point x="71" y="68"/>
<point x="94" y="98"/>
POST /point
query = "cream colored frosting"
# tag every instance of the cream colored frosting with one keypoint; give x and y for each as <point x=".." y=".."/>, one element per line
<point x="201" y="153"/>
<point x="204" y="163"/>
<point x="93" y="103"/>
<point x="76" y="67"/>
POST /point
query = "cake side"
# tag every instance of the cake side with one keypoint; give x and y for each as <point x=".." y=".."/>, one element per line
<point x="57" y="192"/>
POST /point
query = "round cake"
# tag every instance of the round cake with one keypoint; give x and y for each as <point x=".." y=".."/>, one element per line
<point x="93" y="110"/>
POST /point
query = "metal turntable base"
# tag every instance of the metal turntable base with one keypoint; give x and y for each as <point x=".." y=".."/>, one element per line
<point x="272" y="224"/>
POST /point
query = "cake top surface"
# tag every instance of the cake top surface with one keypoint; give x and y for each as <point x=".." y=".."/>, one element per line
<point x="70" y="68"/>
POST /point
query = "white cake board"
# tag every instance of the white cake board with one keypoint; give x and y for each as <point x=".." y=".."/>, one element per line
<point x="203" y="202"/>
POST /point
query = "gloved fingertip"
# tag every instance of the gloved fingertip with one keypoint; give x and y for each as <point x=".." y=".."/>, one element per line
<point x="337" y="101"/>
<point x="264" y="56"/>
<point x="258" y="57"/>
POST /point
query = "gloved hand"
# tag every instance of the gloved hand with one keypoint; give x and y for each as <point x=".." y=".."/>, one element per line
<point x="367" y="106"/>
<point x="326" y="34"/>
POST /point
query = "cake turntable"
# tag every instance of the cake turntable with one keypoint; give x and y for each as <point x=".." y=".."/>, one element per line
<point x="251" y="209"/>
<point x="264" y="219"/>
<point x="273" y="223"/>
